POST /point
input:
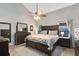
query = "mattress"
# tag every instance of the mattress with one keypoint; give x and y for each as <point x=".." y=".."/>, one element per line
<point x="44" y="39"/>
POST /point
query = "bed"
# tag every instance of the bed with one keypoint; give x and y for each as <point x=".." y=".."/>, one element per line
<point x="4" y="46"/>
<point x="44" y="42"/>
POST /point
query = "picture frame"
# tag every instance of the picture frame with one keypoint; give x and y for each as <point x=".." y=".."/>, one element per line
<point x="31" y="27"/>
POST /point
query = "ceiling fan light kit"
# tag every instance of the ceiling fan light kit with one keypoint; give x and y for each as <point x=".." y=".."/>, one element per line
<point x="38" y="14"/>
<point x="36" y="17"/>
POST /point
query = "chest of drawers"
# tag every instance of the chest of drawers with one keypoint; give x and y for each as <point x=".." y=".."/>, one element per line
<point x="77" y="48"/>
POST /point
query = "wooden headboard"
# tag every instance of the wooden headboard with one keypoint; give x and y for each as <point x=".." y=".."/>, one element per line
<point x="50" y="28"/>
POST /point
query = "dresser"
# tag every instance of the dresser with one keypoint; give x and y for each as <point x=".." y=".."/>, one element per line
<point x="64" y="42"/>
<point x="21" y="33"/>
<point x="4" y="48"/>
<point x="20" y="37"/>
<point x="77" y="48"/>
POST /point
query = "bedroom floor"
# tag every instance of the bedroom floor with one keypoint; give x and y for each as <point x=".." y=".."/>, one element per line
<point x="22" y="50"/>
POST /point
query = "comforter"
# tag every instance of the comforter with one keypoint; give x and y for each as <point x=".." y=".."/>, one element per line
<point x="44" y="39"/>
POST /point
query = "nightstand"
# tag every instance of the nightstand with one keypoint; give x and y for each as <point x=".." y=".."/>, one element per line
<point x="77" y="48"/>
<point x="64" y="42"/>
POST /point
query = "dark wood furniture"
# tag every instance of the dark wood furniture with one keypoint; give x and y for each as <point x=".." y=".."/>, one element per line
<point x="50" y="28"/>
<point x="77" y="48"/>
<point x="21" y="34"/>
<point x="4" y="48"/>
<point x="64" y="42"/>
<point x="20" y="37"/>
<point x="40" y="46"/>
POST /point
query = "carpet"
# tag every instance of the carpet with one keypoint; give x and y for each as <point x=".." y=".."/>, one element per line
<point x="22" y="50"/>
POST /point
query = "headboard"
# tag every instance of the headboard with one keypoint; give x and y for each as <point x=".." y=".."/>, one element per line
<point x="50" y="28"/>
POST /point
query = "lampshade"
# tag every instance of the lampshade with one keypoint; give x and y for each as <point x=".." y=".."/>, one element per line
<point x="36" y="17"/>
<point x="62" y="33"/>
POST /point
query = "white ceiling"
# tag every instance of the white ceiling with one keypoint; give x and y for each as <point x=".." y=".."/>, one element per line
<point x="46" y="7"/>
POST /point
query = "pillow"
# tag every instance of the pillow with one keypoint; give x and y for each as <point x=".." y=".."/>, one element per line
<point x="43" y="32"/>
<point x="52" y="32"/>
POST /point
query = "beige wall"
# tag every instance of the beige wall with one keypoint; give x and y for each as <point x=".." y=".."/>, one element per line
<point x="71" y="12"/>
<point x="62" y="15"/>
<point x="12" y="13"/>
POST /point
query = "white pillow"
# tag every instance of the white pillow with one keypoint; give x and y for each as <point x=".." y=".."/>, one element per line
<point x="43" y="32"/>
<point x="52" y="32"/>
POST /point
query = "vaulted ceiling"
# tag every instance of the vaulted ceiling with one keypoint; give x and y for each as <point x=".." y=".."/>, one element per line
<point x="46" y="7"/>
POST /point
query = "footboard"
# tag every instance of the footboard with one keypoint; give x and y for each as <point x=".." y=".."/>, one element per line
<point x="39" y="46"/>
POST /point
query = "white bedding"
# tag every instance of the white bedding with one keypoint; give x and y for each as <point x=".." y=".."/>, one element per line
<point x="44" y="39"/>
<point x="3" y="39"/>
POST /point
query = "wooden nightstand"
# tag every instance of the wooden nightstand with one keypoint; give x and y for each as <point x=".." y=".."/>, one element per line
<point x="77" y="48"/>
<point x="64" y="42"/>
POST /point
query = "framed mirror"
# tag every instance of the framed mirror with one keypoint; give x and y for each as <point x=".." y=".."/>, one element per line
<point x="5" y="30"/>
<point x="21" y="27"/>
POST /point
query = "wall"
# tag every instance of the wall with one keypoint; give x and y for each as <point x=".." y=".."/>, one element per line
<point x="12" y="13"/>
<point x="63" y="15"/>
<point x="28" y="18"/>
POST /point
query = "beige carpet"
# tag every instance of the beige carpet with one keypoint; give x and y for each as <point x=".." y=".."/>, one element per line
<point x="22" y="50"/>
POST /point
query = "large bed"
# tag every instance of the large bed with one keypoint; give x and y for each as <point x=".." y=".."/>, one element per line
<point x="44" y="42"/>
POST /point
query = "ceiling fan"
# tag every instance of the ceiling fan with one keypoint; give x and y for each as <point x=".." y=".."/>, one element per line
<point x="38" y="13"/>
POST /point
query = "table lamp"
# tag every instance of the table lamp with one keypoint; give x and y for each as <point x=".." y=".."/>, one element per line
<point x="62" y="33"/>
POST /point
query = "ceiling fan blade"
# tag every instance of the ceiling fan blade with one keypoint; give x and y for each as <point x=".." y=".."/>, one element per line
<point x="43" y="15"/>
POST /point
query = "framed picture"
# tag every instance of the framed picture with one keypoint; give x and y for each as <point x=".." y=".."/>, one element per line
<point x="31" y="27"/>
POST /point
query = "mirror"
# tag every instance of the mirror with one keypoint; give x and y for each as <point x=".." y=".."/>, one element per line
<point x="5" y="30"/>
<point x="21" y="27"/>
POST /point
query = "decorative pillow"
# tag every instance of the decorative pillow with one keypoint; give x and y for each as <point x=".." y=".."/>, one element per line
<point x="43" y="32"/>
<point x="52" y="32"/>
